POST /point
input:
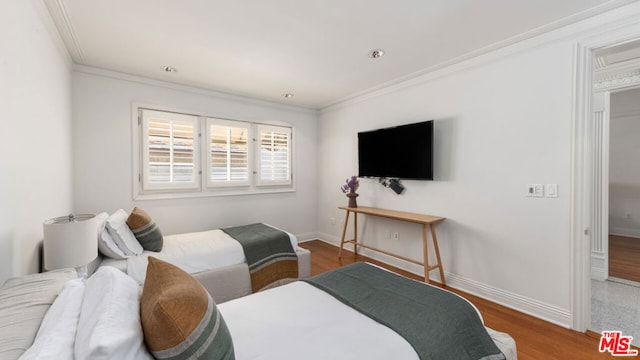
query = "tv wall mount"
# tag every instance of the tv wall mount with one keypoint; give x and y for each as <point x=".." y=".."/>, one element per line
<point x="393" y="184"/>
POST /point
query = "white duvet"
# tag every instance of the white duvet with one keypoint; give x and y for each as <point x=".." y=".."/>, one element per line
<point x="315" y="326"/>
<point x="192" y="252"/>
<point x="290" y="322"/>
<point x="299" y="321"/>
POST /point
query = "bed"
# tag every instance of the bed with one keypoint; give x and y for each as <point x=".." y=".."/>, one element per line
<point x="215" y="257"/>
<point x="108" y="317"/>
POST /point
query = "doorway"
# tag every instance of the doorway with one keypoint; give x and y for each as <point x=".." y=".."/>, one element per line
<point x="624" y="187"/>
<point x="615" y="133"/>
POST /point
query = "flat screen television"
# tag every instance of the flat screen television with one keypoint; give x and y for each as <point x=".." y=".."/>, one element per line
<point x="402" y="152"/>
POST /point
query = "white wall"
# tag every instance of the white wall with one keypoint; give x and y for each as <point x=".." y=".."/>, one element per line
<point x="503" y="120"/>
<point x="103" y="155"/>
<point x="624" y="173"/>
<point x="35" y="108"/>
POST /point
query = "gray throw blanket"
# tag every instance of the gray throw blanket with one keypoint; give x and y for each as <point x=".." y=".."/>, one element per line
<point x="269" y="253"/>
<point x="438" y="324"/>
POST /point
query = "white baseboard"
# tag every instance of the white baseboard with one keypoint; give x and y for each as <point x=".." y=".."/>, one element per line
<point x="629" y="232"/>
<point x="529" y="306"/>
<point x="307" y="236"/>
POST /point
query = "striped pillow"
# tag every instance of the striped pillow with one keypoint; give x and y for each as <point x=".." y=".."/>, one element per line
<point x="179" y="318"/>
<point x="145" y="230"/>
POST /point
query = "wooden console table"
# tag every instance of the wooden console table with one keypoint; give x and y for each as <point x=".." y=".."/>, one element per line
<point x="424" y="220"/>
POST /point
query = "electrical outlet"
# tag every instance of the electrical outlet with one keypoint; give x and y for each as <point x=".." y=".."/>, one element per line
<point x="396" y="236"/>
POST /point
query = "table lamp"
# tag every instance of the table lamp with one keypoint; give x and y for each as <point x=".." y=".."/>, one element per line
<point x="70" y="242"/>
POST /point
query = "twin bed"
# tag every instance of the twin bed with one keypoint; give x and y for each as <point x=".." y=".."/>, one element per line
<point x="356" y="312"/>
<point x="100" y="318"/>
<point x="213" y="257"/>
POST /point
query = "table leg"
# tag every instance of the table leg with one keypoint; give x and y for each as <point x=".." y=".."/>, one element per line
<point x="425" y="253"/>
<point x="355" y="235"/>
<point x="435" y="247"/>
<point x="344" y="232"/>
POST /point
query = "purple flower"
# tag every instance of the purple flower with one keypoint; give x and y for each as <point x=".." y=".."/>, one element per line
<point x="351" y="185"/>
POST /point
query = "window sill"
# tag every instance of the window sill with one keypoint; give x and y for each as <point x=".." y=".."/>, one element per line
<point x="216" y="193"/>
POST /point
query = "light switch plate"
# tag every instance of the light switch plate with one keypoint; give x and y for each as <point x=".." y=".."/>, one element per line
<point x="551" y="190"/>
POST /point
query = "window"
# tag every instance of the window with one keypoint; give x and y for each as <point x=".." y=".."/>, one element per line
<point x="274" y="155"/>
<point x="170" y="151"/>
<point x="196" y="155"/>
<point x="228" y="153"/>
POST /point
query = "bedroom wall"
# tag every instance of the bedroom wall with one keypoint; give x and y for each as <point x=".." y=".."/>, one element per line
<point x="35" y="108"/>
<point x="624" y="174"/>
<point x="502" y="120"/>
<point x="103" y="155"/>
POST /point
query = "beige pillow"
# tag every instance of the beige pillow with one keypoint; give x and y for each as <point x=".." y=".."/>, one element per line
<point x="24" y="301"/>
<point x="145" y="230"/>
<point x="179" y="318"/>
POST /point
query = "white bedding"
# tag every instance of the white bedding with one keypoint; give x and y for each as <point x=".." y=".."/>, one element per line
<point x="315" y="325"/>
<point x="192" y="252"/>
<point x="293" y="321"/>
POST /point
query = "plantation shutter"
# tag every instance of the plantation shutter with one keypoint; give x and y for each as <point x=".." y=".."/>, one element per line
<point x="228" y="153"/>
<point x="170" y="155"/>
<point x="274" y="160"/>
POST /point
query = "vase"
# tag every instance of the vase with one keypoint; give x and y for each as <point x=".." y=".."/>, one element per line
<point x="352" y="199"/>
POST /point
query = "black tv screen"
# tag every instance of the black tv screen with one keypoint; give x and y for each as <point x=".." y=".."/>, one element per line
<point x="403" y="152"/>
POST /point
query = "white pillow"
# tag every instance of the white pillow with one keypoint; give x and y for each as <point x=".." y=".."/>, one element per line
<point x="100" y="221"/>
<point x="57" y="333"/>
<point x="109" y="325"/>
<point x="122" y="235"/>
<point x="106" y="245"/>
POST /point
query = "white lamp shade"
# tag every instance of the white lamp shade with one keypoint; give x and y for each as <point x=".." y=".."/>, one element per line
<point x="70" y="241"/>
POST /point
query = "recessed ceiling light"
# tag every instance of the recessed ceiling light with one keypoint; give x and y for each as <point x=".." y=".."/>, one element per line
<point x="376" y="53"/>
<point x="287" y="95"/>
<point x="169" y="69"/>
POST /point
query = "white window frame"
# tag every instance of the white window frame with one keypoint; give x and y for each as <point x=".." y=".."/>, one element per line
<point x="260" y="128"/>
<point x="227" y="123"/>
<point x="145" y="116"/>
<point x="142" y="189"/>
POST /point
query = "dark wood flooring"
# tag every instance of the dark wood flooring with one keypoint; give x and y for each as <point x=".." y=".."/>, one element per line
<point x="624" y="257"/>
<point x="535" y="339"/>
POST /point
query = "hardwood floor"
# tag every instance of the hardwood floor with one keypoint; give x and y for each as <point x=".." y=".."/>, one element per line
<point x="624" y="257"/>
<point x="535" y="339"/>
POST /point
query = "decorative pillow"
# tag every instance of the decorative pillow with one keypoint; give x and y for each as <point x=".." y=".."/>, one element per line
<point x="24" y="301"/>
<point x="106" y="245"/>
<point x="145" y="230"/>
<point x="122" y="235"/>
<point x="109" y="325"/>
<point x="57" y="333"/>
<point x="179" y="318"/>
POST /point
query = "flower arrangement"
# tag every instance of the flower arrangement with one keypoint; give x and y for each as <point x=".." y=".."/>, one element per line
<point x="351" y="185"/>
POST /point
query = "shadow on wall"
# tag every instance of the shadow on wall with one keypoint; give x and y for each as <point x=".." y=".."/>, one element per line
<point x="445" y="140"/>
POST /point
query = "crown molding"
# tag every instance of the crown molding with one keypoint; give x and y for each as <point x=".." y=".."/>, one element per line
<point x="189" y="89"/>
<point x="617" y="81"/>
<point x="605" y="17"/>
<point x="51" y="29"/>
<point x="60" y="17"/>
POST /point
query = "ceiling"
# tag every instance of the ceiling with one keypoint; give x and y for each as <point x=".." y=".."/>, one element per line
<point x="315" y="50"/>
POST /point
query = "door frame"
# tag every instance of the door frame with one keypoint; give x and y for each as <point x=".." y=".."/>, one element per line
<point x="582" y="170"/>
